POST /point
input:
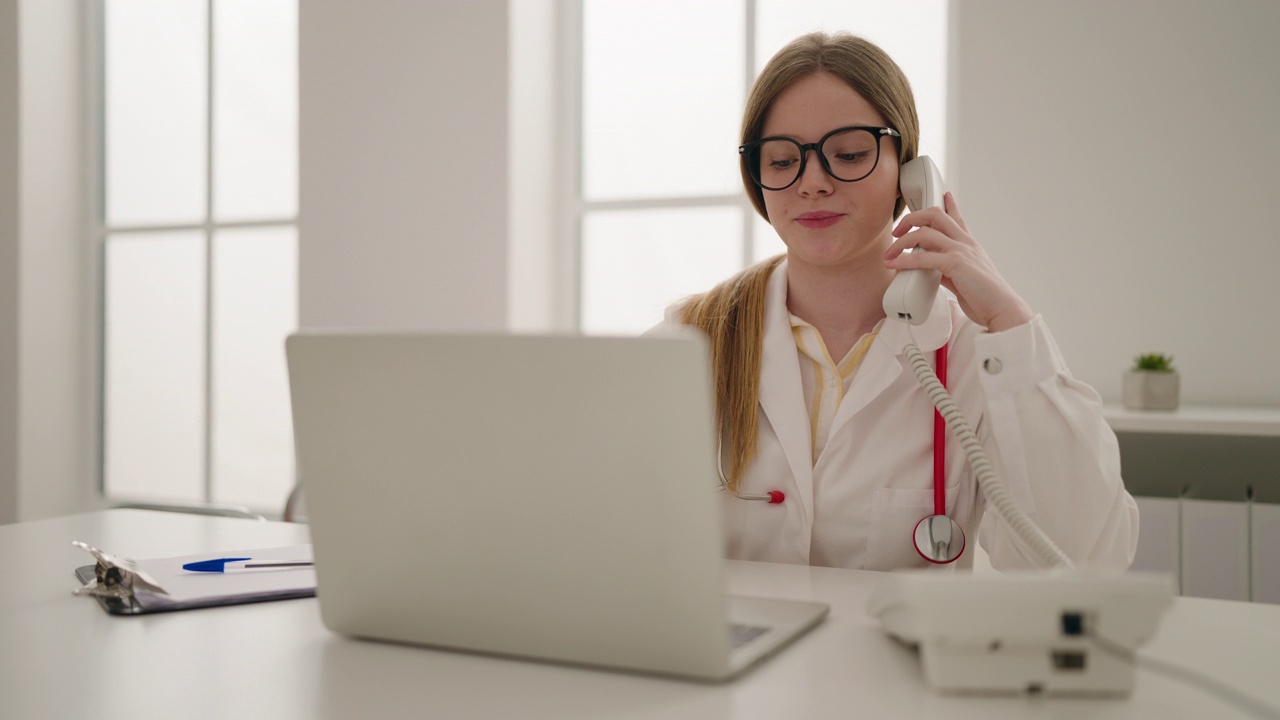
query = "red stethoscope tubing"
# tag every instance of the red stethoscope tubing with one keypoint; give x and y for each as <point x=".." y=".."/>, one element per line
<point x="939" y="540"/>
<point x="940" y="442"/>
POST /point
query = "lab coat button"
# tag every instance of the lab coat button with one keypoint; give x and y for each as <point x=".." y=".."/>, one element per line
<point x="992" y="365"/>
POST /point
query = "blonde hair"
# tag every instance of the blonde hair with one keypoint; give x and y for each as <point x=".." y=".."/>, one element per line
<point x="732" y="316"/>
<point x="732" y="313"/>
<point x="860" y="63"/>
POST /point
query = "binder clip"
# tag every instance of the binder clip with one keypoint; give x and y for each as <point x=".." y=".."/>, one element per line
<point x="115" y="577"/>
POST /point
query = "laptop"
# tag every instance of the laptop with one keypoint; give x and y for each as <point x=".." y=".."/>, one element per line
<point x="550" y="498"/>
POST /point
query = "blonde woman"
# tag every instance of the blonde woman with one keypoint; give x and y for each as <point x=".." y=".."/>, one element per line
<point x="814" y="397"/>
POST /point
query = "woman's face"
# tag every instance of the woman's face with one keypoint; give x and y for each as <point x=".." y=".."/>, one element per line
<point x="823" y="221"/>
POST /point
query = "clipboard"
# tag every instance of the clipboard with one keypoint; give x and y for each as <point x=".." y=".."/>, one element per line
<point x="140" y="587"/>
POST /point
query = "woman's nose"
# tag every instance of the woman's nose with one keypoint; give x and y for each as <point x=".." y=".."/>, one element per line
<point x="814" y="179"/>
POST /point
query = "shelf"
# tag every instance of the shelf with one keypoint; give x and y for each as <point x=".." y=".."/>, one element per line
<point x="1197" y="420"/>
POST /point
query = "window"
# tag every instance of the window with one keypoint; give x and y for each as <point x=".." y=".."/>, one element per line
<point x="659" y="204"/>
<point x="197" y="229"/>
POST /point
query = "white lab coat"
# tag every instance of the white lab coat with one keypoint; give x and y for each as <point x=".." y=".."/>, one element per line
<point x="858" y="505"/>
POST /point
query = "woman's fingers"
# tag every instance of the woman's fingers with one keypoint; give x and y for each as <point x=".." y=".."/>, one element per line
<point x="966" y="268"/>
<point x="953" y="211"/>
<point x="926" y="239"/>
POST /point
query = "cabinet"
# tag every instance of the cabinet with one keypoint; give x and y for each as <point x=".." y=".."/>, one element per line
<point x="1264" y="529"/>
<point x="1207" y="483"/>
<point x="1215" y="549"/>
<point x="1159" y="536"/>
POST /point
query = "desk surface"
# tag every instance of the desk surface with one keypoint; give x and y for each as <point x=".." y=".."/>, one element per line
<point x="62" y="656"/>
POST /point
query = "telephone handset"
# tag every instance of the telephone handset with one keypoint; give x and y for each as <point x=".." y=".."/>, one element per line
<point x="911" y="294"/>
<point x="910" y="298"/>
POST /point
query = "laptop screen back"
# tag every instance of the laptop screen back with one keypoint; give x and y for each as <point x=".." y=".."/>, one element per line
<point x="549" y="497"/>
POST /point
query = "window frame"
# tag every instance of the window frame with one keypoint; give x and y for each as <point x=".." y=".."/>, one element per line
<point x="99" y="232"/>
<point x="575" y="207"/>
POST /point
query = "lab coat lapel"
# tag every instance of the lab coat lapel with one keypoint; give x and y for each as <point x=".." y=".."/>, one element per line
<point x="884" y="361"/>
<point x="781" y="393"/>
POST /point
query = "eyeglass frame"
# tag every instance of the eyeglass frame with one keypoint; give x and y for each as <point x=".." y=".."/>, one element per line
<point x="816" y="147"/>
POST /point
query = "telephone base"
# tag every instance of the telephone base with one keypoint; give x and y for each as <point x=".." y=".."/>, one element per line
<point x="1034" y="669"/>
<point x="1069" y="632"/>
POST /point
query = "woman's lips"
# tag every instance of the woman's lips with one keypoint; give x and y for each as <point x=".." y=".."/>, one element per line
<point x="817" y="220"/>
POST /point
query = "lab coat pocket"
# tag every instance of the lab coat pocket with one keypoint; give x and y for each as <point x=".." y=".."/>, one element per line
<point x="895" y="512"/>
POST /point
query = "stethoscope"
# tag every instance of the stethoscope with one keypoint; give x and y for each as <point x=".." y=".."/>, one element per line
<point x="938" y="538"/>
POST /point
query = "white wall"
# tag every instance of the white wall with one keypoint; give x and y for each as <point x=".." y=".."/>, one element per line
<point x="403" y="192"/>
<point x="1119" y="160"/>
<point x="47" y="359"/>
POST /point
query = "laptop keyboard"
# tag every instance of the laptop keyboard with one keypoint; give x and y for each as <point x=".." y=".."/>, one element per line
<point x="740" y="634"/>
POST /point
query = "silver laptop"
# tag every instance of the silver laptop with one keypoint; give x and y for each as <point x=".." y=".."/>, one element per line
<point x="539" y="497"/>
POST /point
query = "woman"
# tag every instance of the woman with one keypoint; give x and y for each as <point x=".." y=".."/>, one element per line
<point x="814" y="397"/>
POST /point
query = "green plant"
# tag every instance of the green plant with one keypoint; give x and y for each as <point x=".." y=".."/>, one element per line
<point x="1157" y="362"/>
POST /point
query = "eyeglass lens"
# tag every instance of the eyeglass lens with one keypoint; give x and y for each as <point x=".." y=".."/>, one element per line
<point x="849" y="155"/>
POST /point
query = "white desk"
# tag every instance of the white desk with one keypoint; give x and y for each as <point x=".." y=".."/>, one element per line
<point x="61" y="656"/>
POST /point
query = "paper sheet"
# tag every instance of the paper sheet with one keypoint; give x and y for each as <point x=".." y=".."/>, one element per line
<point x="185" y="586"/>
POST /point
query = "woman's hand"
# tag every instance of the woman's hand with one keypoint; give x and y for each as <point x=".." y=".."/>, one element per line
<point x="966" y="268"/>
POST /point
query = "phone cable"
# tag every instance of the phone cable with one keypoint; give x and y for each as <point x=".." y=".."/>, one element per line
<point x="1187" y="676"/>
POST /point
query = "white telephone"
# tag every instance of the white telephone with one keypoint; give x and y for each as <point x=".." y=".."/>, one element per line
<point x="910" y="297"/>
<point x="911" y="294"/>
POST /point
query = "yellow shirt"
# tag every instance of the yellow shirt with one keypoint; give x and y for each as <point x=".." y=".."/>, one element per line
<point x="825" y="382"/>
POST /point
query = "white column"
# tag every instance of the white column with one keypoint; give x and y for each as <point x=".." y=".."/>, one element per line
<point x="8" y="261"/>
<point x="47" y="350"/>
<point x="404" y="164"/>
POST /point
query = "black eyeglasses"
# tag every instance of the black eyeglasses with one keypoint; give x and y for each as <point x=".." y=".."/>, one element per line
<point x="848" y="154"/>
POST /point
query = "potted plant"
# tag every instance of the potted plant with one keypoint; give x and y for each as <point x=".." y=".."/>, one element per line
<point x="1152" y="384"/>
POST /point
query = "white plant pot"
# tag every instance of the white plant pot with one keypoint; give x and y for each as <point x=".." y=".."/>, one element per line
<point x="1151" y="390"/>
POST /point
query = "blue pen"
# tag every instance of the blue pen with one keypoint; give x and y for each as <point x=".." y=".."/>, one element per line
<point x="225" y="565"/>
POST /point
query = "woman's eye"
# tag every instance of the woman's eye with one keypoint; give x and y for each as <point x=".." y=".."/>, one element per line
<point x="855" y="157"/>
<point x="782" y="164"/>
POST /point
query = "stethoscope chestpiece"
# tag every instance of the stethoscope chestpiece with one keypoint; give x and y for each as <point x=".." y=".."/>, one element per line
<point x="939" y="539"/>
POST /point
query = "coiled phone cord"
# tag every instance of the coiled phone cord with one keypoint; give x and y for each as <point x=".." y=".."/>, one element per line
<point x="1045" y="550"/>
